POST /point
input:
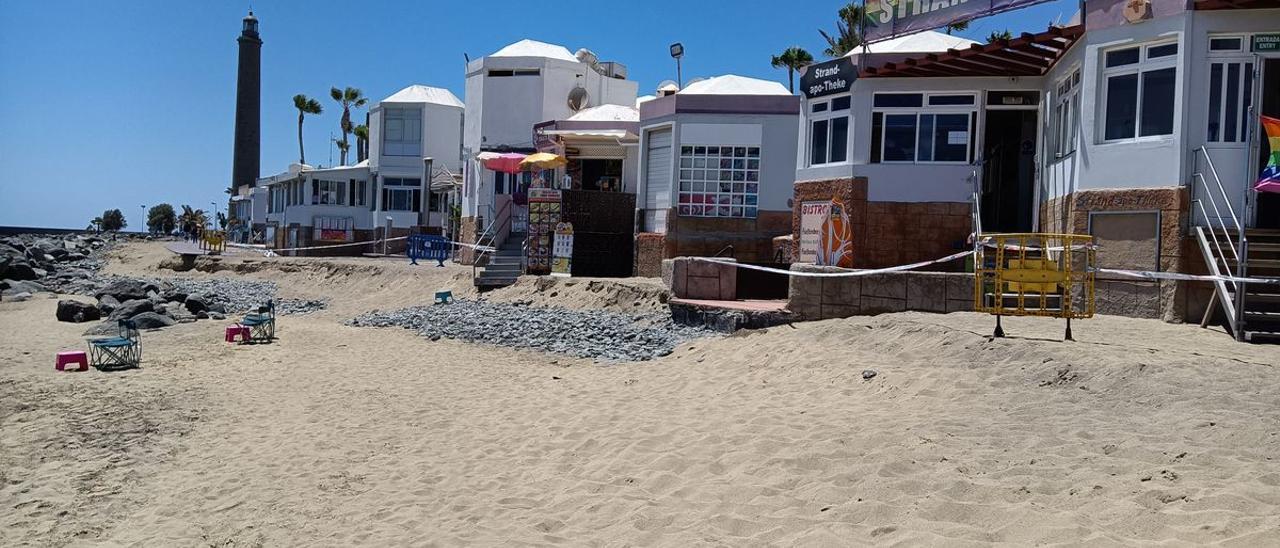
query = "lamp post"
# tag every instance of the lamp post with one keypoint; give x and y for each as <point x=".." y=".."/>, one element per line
<point x="677" y="51"/>
<point x="215" y="214"/>
<point x="143" y="207"/>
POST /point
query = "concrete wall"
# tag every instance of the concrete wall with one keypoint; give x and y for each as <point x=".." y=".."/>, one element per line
<point x="820" y="298"/>
<point x="700" y="280"/>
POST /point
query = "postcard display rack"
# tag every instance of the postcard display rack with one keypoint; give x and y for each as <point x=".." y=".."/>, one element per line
<point x="544" y="215"/>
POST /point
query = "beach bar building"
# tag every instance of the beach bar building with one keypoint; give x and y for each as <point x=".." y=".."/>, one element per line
<point x="508" y="93"/>
<point x="415" y="136"/>
<point x="717" y="164"/>
<point x="1129" y="123"/>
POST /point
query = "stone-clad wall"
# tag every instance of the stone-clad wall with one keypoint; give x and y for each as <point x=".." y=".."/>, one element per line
<point x="819" y="298"/>
<point x="648" y="255"/>
<point x="890" y="233"/>
<point x="1168" y="300"/>
<point x="752" y="239"/>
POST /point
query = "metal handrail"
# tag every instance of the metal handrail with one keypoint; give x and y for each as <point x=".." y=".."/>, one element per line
<point x="1239" y="248"/>
<point x="492" y="233"/>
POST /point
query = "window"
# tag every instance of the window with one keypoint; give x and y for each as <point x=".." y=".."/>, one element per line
<point x="400" y="194"/>
<point x="515" y="72"/>
<point x="719" y="181"/>
<point x="829" y="131"/>
<point x="402" y="132"/>
<point x="1230" y="96"/>
<point x="1139" y="91"/>
<point x="328" y="192"/>
<point x="358" y="193"/>
<point x="1065" y="121"/>
<point x="1226" y="44"/>
<point x="903" y="129"/>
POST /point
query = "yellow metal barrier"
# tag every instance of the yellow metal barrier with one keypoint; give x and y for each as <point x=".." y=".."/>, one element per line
<point x="214" y="241"/>
<point x="1034" y="274"/>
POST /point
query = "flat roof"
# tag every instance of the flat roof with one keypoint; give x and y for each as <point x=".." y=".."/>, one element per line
<point x="1025" y="55"/>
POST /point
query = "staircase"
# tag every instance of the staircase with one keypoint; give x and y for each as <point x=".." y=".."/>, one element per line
<point x="504" y="265"/>
<point x="1230" y="249"/>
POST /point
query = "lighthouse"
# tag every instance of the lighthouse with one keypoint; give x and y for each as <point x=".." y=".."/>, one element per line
<point x="248" y="142"/>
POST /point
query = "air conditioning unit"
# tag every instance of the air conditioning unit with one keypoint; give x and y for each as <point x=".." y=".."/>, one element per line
<point x="585" y="55"/>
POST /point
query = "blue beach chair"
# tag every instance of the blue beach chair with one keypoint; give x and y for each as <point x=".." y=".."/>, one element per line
<point x="123" y="351"/>
<point x="262" y="325"/>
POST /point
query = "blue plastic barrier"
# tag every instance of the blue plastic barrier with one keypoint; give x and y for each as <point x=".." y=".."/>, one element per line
<point x="424" y="246"/>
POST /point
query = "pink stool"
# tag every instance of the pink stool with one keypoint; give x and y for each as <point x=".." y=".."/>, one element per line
<point x="237" y="329"/>
<point x="72" y="357"/>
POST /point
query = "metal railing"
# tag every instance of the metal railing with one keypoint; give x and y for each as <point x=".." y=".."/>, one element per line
<point x="489" y="239"/>
<point x="1219" y="232"/>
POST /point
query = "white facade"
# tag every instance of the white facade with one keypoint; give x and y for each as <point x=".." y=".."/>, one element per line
<point x="510" y="91"/>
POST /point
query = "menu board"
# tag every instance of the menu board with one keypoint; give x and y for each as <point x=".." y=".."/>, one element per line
<point x="562" y="250"/>
<point x="544" y="215"/>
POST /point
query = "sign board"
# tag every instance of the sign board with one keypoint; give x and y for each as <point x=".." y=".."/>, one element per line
<point x="1265" y="43"/>
<point x="828" y="78"/>
<point x="544" y="215"/>
<point x="826" y="234"/>
<point x="889" y="18"/>
<point x="562" y="250"/>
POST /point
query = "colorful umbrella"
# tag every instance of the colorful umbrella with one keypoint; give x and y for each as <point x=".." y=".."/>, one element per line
<point x="508" y="162"/>
<point x="543" y="160"/>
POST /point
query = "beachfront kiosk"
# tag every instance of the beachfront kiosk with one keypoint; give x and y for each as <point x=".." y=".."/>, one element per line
<point x="1128" y="123"/>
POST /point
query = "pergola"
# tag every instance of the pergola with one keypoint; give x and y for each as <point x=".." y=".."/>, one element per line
<point x="1025" y="55"/>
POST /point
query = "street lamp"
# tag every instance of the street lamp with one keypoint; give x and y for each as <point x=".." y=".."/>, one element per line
<point x="143" y="207"/>
<point x="215" y="214"/>
<point x="677" y="51"/>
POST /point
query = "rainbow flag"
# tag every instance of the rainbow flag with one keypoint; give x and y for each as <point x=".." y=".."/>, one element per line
<point x="1269" y="181"/>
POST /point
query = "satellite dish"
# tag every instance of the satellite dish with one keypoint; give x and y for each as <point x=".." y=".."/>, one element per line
<point x="578" y="99"/>
<point x="587" y="56"/>
<point x="1137" y="10"/>
<point x="667" y="87"/>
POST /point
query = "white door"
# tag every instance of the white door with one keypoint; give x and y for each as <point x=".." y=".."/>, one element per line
<point x="657" y="194"/>
<point x="1229" y="95"/>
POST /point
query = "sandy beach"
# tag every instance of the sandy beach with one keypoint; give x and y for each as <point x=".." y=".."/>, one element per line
<point x="1139" y="432"/>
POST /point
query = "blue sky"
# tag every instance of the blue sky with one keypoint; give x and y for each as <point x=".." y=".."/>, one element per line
<point x="122" y="104"/>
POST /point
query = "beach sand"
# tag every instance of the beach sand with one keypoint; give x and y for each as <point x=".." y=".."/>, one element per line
<point x="1137" y="433"/>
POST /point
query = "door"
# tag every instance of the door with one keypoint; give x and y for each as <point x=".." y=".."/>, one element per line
<point x="1008" y="176"/>
<point x="657" y="185"/>
<point x="1267" y="210"/>
<point x="1229" y="96"/>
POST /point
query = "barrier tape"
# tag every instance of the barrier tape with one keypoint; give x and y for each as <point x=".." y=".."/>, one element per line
<point x="1147" y="275"/>
<point x="847" y="273"/>
<point x="267" y="252"/>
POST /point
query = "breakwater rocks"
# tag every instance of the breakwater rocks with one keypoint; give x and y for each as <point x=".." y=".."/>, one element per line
<point x="592" y="334"/>
<point x="164" y="302"/>
<point x="30" y="263"/>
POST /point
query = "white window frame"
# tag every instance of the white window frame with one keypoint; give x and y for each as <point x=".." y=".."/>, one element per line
<point x="407" y="123"/>
<point x="747" y="171"/>
<point x="1064" y="126"/>
<point x="1142" y="66"/>
<point x="400" y="184"/>
<point x="971" y="111"/>
<point x="335" y="191"/>
<point x="828" y="115"/>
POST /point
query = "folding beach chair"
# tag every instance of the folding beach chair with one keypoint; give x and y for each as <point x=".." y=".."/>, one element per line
<point x="120" y="352"/>
<point x="262" y="325"/>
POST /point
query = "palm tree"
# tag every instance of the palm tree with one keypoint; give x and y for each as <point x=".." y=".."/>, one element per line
<point x="958" y="26"/>
<point x="362" y="142"/>
<point x="348" y="97"/>
<point x="998" y="36"/>
<point x="192" y="219"/>
<point x="848" y="31"/>
<point x="793" y="58"/>
<point x="343" y="147"/>
<point x="305" y="106"/>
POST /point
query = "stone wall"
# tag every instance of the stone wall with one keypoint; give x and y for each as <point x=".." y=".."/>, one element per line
<point x="819" y="298"/>
<point x="752" y="239"/>
<point x="689" y="278"/>
<point x="468" y="230"/>
<point x="649" y="254"/>
<point x="890" y="233"/>
<point x="1166" y="299"/>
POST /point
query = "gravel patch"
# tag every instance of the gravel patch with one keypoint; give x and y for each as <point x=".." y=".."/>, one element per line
<point x="592" y="334"/>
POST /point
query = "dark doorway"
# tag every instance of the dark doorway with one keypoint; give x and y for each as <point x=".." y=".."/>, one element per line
<point x="1268" y="209"/>
<point x="1008" y="176"/>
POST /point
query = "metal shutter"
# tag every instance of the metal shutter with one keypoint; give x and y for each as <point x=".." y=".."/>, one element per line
<point x="658" y="170"/>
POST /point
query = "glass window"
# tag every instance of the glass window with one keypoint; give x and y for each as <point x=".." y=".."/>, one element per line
<point x="401" y="194"/>
<point x="1064" y="118"/>
<point x="841" y="103"/>
<point x="818" y="107"/>
<point x="950" y="138"/>
<point x="1139" y="97"/>
<point x="940" y="100"/>
<point x="1122" y="106"/>
<point x="818" y="142"/>
<point x="899" y="138"/>
<point x="1122" y="57"/>
<point x="839" y="139"/>
<point x="402" y="132"/>
<point x="899" y="100"/>
<point x="733" y="190"/>
<point x="328" y="192"/>
<point x="1225" y="44"/>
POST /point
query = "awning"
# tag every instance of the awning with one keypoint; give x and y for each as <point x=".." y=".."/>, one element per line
<point x="612" y="133"/>
<point x="1026" y="55"/>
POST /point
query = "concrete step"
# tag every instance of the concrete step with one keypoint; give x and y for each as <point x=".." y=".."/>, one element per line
<point x="504" y="268"/>
<point x="1262" y="337"/>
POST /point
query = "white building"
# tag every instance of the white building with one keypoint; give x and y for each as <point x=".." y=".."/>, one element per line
<point x="1106" y="126"/>
<point x="511" y="91"/>
<point x="717" y="168"/>
<point x="416" y="129"/>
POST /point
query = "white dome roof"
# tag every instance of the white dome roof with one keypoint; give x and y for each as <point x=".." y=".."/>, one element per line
<point x="425" y="94"/>
<point x="534" y="48"/>
<point x="731" y="84"/>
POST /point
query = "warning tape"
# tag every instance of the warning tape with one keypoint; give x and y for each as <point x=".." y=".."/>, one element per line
<point x="266" y="252"/>
<point x="845" y="272"/>
<point x="1147" y="275"/>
